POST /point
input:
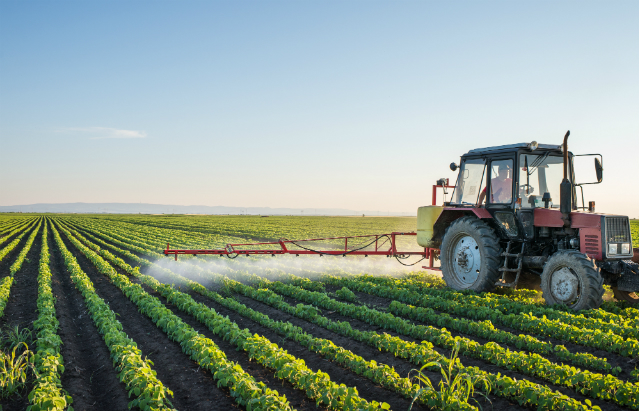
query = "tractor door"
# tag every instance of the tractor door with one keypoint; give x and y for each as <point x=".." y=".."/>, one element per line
<point x="500" y="200"/>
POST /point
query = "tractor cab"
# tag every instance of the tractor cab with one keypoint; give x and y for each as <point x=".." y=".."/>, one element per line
<point x="515" y="176"/>
<point x="510" y="181"/>
<point x="514" y="213"/>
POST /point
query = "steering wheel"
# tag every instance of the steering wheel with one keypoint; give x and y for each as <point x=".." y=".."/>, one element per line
<point x="531" y="189"/>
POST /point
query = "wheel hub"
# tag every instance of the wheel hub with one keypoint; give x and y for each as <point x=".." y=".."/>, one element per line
<point x="466" y="260"/>
<point x="564" y="285"/>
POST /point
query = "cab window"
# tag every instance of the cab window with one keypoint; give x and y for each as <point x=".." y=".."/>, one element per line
<point x="469" y="182"/>
<point x="501" y="182"/>
<point x="540" y="174"/>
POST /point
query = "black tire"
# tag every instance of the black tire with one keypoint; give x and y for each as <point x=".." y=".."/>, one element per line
<point x="627" y="296"/>
<point x="577" y="283"/>
<point x="480" y="276"/>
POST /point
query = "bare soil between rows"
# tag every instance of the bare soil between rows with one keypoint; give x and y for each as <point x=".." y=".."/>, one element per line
<point x="367" y="352"/>
<point x="21" y="306"/>
<point x="193" y="387"/>
<point x="467" y="361"/>
<point x="615" y="360"/>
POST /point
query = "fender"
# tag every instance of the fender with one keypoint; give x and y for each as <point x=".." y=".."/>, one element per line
<point x="450" y="214"/>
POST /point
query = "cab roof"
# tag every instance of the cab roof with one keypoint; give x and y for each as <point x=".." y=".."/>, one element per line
<point x="513" y="147"/>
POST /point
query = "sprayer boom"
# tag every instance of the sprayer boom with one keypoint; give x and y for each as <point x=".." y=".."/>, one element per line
<point x="374" y="244"/>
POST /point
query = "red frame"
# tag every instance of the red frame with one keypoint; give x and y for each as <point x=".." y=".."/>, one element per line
<point x="392" y="251"/>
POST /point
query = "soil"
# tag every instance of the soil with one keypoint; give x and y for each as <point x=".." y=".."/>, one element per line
<point x="365" y="387"/>
<point x="10" y="258"/>
<point x="92" y="381"/>
<point x="193" y="388"/>
<point x="467" y="361"/>
<point x="22" y="304"/>
<point x="614" y="360"/>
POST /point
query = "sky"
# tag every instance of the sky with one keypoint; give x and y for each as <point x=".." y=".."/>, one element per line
<point x="306" y="104"/>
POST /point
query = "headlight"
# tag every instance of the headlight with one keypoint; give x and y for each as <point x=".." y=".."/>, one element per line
<point x="612" y="249"/>
<point x="625" y="248"/>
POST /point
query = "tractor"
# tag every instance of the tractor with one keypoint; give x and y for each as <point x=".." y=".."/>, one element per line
<point x="513" y="215"/>
<point x="512" y="220"/>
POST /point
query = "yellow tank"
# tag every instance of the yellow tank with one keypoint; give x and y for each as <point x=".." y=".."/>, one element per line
<point x="426" y="217"/>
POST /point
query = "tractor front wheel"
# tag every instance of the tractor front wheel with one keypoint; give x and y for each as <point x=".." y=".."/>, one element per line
<point x="570" y="278"/>
<point x="470" y="255"/>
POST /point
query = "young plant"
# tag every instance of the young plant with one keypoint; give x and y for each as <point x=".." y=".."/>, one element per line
<point x="13" y="337"/>
<point x="455" y="387"/>
<point x="13" y="369"/>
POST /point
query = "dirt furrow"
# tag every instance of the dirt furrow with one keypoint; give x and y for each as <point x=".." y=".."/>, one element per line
<point x="193" y="388"/>
<point x="22" y="303"/>
<point x="615" y="360"/>
<point x="89" y="376"/>
<point x="468" y="361"/>
<point x="10" y="258"/>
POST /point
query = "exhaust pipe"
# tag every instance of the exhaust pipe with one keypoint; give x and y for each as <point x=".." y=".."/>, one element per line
<point x="565" y="188"/>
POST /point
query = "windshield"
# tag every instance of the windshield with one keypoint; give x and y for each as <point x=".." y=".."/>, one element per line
<point x="469" y="182"/>
<point x="540" y="174"/>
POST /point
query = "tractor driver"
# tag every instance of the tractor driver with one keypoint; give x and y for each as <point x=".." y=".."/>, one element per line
<point x="501" y="186"/>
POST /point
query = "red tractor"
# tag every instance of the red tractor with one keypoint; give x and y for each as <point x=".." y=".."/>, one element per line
<point x="513" y="217"/>
<point x="514" y="211"/>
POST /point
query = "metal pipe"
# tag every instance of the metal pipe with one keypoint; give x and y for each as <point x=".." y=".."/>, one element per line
<point x="565" y="188"/>
<point x="566" y="155"/>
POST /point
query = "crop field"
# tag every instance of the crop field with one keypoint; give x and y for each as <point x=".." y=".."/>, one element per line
<point x="95" y="317"/>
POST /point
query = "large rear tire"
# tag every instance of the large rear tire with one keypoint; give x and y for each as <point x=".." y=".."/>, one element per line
<point x="470" y="257"/>
<point x="570" y="278"/>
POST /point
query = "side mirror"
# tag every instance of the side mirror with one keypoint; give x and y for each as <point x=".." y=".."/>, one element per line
<point x="599" y="170"/>
<point x="453" y="166"/>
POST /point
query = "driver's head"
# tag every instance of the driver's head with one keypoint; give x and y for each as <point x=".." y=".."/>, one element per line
<point x="503" y="171"/>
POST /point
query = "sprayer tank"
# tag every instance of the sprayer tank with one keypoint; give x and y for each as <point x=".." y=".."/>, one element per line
<point x="426" y="218"/>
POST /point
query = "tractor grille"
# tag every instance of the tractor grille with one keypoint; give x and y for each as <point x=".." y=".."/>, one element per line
<point x="617" y="230"/>
<point x="592" y="244"/>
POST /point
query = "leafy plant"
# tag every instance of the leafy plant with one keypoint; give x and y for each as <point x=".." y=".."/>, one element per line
<point x="346" y="294"/>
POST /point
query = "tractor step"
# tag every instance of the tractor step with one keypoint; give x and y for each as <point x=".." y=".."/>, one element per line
<point x="510" y="270"/>
<point x="505" y="269"/>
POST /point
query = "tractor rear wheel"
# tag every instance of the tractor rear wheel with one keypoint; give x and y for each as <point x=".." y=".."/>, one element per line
<point x="570" y="278"/>
<point x="470" y="255"/>
<point x="627" y="296"/>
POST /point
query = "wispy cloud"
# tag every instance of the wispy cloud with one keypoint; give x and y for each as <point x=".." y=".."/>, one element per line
<point x="97" y="133"/>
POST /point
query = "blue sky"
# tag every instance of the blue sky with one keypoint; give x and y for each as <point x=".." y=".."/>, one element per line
<point x="352" y="104"/>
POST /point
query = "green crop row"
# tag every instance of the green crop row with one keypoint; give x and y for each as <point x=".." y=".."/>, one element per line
<point x="579" y="359"/>
<point x="118" y="239"/>
<point x="611" y="313"/>
<point x="24" y="228"/>
<point x="9" y="247"/>
<point x="561" y="352"/>
<point x="136" y="373"/>
<point x="243" y="387"/>
<point x="522" y="320"/>
<point x="317" y="385"/>
<point x="523" y="391"/>
<point x="596" y="385"/>
<point x="486" y="329"/>
<point x="7" y="281"/>
<point x="47" y="393"/>
<point x="379" y="373"/>
<point x="12" y="226"/>
<point x="593" y="319"/>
